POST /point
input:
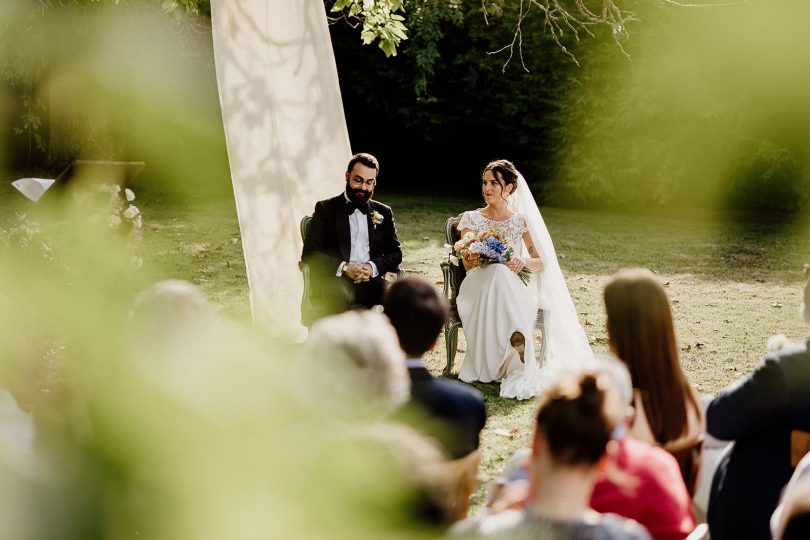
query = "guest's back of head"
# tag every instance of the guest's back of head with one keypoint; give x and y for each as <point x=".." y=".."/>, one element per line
<point x="642" y="334"/>
<point x="171" y="316"/>
<point x="168" y="303"/>
<point x="417" y="312"/>
<point x="577" y="416"/>
<point x="364" y="343"/>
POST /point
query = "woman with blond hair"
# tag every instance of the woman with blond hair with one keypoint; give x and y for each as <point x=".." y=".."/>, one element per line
<point x="642" y="335"/>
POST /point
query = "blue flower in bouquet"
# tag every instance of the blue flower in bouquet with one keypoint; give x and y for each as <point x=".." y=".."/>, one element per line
<point x="496" y="248"/>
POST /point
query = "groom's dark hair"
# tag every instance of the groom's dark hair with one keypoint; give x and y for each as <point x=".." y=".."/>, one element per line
<point x="417" y="312"/>
<point x="366" y="159"/>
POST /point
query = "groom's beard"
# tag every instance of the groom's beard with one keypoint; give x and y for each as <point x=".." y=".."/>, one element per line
<point x="358" y="196"/>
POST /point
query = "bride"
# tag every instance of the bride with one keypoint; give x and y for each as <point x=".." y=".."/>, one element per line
<point x="498" y="311"/>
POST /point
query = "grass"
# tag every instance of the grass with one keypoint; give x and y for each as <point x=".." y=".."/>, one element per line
<point x="732" y="284"/>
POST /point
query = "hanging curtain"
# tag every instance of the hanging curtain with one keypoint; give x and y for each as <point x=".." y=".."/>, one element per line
<point x="286" y="134"/>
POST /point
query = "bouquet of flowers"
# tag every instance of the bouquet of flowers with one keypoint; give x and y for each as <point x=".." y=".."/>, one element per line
<point x="487" y="247"/>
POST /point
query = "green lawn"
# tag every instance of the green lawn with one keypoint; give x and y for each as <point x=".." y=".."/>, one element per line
<point x="732" y="285"/>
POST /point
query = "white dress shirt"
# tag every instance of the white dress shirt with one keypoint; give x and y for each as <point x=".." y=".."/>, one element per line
<point x="358" y="234"/>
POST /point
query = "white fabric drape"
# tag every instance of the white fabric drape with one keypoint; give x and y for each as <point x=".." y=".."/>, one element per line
<point x="286" y="135"/>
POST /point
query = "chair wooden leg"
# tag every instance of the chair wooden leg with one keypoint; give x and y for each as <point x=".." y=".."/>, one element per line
<point x="541" y="324"/>
<point x="451" y="344"/>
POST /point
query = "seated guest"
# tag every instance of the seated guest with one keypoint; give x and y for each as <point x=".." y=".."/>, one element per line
<point x="168" y="305"/>
<point x="758" y="412"/>
<point x="791" y="519"/>
<point x="351" y="243"/>
<point x="418" y="314"/>
<point x="574" y="423"/>
<point x="641" y="333"/>
<point x="451" y="411"/>
<point x="422" y="467"/>
<point x="171" y="322"/>
<point x="640" y="481"/>
<point x="362" y="347"/>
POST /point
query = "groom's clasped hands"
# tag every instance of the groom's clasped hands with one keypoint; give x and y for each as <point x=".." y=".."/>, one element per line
<point x="358" y="272"/>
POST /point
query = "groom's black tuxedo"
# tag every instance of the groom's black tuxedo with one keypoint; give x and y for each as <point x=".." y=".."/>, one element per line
<point x="328" y="244"/>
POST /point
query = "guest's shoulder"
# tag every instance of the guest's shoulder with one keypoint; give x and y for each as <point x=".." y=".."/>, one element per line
<point x="774" y="366"/>
<point x="648" y="461"/>
<point x="487" y="524"/>
<point x="790" y="350"/>
<point x="620" y="528"/>
<point x="793" y="364"/>
<point x="460" y="389"/>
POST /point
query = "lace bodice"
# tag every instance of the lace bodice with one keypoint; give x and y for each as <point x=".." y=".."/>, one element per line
<point x="513" y="228"/>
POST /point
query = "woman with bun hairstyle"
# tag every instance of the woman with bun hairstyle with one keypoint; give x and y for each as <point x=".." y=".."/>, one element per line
<point x="574" y="423"/>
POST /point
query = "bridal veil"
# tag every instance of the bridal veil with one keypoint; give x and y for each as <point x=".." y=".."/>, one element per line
<point x="566" y="345"/>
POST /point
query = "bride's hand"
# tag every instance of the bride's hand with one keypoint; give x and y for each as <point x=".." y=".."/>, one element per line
<point x="516" y="265"/>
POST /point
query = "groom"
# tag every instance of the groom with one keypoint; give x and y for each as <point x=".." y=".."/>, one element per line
<point x="351" y="243"/>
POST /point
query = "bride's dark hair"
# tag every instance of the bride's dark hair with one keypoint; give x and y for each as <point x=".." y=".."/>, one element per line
<point x="504" y="172"/>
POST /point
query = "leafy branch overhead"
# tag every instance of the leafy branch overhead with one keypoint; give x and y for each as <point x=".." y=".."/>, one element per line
<point x="388" y="21"/>
<point x="381" y="21"/>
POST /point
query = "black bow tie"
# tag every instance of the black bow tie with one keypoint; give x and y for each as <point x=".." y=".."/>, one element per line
<point x="351" y="207"/>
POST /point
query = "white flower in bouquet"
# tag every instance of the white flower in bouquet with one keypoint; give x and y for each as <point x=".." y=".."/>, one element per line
<point x="129" y="195"/>
<point x="113" y="221"/>
<point x="137" y="222"/>
<point x="131" y="212"/>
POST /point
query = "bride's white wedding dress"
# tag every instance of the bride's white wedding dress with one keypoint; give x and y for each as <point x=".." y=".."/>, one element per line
<point x="493" y="303"/>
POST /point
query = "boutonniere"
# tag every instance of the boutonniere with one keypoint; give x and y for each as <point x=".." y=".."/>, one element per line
<point x="376" y="218"/>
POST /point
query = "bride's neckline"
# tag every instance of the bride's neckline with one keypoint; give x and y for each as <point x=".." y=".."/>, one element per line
<point x="495" y="220"/>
